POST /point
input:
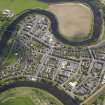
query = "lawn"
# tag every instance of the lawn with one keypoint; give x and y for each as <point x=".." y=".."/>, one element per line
<point x="19" y="101"/>
<point x="28" y="96"/>
<point x="17" y="6"/>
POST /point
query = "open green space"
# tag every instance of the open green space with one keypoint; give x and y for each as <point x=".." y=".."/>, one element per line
<point x="28" y="96"/>
<point x="16" y="6"/>
<point x="8" y="57"/>
<point x="19" y="101"/>
<point x="100" y="100"/>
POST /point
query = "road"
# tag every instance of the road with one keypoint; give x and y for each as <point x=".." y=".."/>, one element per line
<point x="94" y="96"/>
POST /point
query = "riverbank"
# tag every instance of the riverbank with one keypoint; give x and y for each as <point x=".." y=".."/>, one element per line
<point x="59" y="94"/>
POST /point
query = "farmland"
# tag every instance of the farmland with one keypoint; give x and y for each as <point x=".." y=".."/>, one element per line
<point x="76" y="22"/>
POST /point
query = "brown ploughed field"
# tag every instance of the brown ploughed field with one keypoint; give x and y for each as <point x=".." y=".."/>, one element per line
<point x="75" y="19"/>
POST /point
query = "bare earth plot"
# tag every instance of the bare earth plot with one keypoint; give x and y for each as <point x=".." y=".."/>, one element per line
<point x="75" y="19"/>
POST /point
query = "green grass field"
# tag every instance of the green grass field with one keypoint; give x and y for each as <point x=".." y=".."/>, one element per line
<point x="17" y="6"/>
<point x="28" y="96"/>
<point x="19" y="101"/>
